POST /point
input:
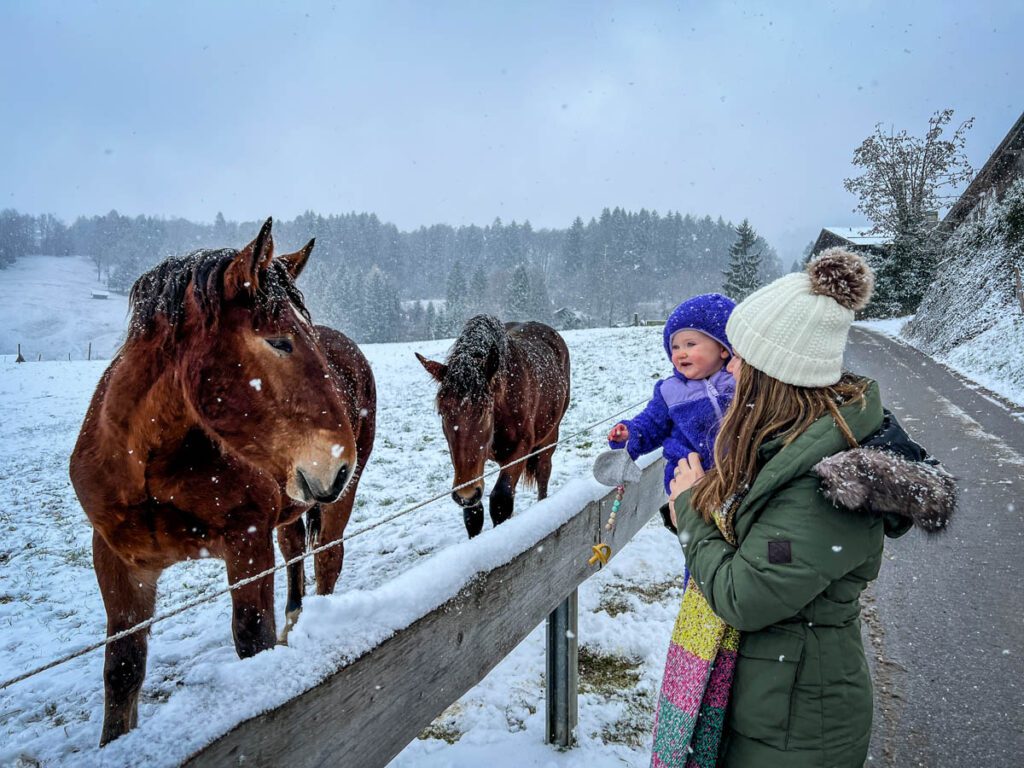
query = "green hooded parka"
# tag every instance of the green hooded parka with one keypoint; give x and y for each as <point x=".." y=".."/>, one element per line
<point x="801" y="694"/>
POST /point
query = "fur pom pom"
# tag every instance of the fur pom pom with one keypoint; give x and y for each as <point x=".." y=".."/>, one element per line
<point x="843" y="276"/>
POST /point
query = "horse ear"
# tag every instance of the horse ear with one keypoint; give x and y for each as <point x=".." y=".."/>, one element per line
<point x="296" y="262"/>
<point x="434" y="368"/>
<point x="242" y="274"/>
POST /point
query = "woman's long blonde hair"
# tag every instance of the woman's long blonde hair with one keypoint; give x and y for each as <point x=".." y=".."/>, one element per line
<point x="763" y="408"/>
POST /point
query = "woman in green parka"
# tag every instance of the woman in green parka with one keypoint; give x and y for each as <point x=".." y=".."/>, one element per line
<point x="806" y="508"/>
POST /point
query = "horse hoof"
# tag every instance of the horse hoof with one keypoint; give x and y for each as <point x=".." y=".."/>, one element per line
<point x="291" y="617"/>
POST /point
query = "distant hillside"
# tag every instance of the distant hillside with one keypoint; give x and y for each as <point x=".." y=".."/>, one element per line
<point x="46" y="305"/>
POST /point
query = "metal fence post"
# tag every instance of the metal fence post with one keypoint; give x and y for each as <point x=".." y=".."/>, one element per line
<point x="562" y="678"/>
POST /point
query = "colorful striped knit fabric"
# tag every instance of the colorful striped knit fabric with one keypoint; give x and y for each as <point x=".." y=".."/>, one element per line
<point x="695" y="690"/>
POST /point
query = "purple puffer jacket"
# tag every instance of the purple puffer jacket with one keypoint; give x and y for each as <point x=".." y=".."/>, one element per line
<point x="682" y="417"/>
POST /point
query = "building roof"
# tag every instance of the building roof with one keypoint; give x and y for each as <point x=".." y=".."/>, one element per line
<point x="996" y="172"/>
<point x="859" y="235"/>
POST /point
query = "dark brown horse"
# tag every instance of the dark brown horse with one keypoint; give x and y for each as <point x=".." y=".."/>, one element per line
<point x="503" y="392"/>
<point x="225" y="416"/>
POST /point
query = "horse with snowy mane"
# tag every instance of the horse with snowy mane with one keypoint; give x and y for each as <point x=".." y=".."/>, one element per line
<point x="226" y="415"/>
<point x="502" y="393"/>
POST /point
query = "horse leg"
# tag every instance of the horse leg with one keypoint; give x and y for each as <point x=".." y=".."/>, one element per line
<point x="543" y="471"/>
<point x="129" y="595"/>
<point x="504" y="493"/>
<point x="252" y="620"/>
<point x="291" y="538"/>
<point x="473" y="517"/>
<point x="334" y="517"/>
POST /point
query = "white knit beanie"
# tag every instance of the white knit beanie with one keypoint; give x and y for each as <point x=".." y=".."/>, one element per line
<point x="795" y="328"/>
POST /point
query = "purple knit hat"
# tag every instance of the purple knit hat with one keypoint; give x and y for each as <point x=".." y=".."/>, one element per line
<point x="706" y="313"/>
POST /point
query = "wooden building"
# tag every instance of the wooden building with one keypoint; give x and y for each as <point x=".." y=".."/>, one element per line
<point x="854" y="238"/>
<point x="994" y="178"/>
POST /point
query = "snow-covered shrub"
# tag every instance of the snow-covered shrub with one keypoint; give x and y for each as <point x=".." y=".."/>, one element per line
<point x="974" y="285"/>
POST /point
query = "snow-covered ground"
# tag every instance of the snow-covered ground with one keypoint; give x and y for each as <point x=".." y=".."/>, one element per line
<point x="994" y="358"/>
<point x="46" y="305"/>
<point x="49" y="602"/>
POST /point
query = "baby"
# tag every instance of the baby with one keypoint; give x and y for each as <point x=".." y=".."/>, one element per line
<point x="684" y="415"/>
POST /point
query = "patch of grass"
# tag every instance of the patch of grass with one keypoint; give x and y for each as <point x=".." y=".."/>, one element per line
<point x="445" y="727"/>
<point x="613" y="605"/>
<point x="633" y="729"/>
<point x="615" y="600"/>
<point x="656" y="592"/>
<point x="606" y="673"/>
<point x="80" y="557"/>
<point x="615" y="679"/>
<point x="518" y="709"/>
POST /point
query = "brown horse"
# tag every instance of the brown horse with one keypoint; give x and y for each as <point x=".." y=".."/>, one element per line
<point x="503" y="392"/>
<point x="225" y="416"/>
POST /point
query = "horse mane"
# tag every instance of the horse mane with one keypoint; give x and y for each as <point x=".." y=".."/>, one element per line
<point x="160" y="293"/>
<point x="482" y="338"/>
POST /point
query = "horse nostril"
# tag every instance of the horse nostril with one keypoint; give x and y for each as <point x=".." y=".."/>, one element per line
<point x="303" y="483"/>
<point x="340" y="480"/>
<point x="470" y="501"/>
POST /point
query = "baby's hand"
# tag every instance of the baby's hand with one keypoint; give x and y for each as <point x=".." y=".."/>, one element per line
<point x="619" y="434"/>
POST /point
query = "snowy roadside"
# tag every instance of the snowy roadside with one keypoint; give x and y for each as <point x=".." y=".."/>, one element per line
<point x="994" y="359"/>
<point x="49" y="603"/>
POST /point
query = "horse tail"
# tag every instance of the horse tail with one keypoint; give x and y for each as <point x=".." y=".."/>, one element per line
<point x="529" y="478"/>
<point x="313" y="527"/>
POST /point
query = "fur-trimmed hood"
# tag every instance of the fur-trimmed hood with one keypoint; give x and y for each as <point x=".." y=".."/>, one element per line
<point x="891" y="476"/>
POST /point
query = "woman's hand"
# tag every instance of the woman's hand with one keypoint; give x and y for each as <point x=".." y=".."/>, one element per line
<point x="687" y="472"/>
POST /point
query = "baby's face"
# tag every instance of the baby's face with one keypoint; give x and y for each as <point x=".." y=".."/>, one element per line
<point x="697" y="356"/>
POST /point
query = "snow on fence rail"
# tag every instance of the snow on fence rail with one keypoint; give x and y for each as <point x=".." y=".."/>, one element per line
<point x="366" y="712"/>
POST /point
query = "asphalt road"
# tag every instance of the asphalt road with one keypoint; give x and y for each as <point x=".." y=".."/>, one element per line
<point x="944" y="622"/>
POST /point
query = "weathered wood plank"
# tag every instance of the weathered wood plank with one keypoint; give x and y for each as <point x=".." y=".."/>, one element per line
<point x="367" y="712"/>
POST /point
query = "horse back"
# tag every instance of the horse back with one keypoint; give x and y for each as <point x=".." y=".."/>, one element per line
<point x="355" y="377"/>
<point x="542" y="356"/>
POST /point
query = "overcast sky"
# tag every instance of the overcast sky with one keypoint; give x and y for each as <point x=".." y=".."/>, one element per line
<point x="434" y="112"/>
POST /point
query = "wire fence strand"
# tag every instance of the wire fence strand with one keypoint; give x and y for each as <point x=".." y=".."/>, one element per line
<point x="163" y="616"/>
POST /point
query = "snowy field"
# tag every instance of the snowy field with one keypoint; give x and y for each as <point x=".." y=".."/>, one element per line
<point x="46" y="305"/>
<point x="49" y="602"/>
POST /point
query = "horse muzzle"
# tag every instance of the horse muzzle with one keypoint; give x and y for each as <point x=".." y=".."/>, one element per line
<point x="313" y="487"/>
<point x="470" y="500"/>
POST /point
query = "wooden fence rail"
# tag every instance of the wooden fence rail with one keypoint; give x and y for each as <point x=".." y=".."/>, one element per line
<point x="367" y="712"/>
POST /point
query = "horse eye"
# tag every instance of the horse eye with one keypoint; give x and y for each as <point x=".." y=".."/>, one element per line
<point x="281" y="345"/>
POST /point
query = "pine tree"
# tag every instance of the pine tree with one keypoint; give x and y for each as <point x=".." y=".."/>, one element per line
<point x="572" y="251"/>
<point x="430" y="321"/>
<point x="539" y="300"/>
<point x="742" y="275"/>
<point x="517" y="295"/>
<point x="456" y="304"/>
<point x="382" y="316"/>
<point x="417" y="322"/>
<point x="477" y="291"/>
